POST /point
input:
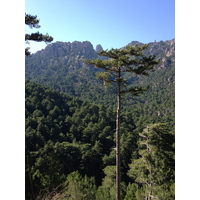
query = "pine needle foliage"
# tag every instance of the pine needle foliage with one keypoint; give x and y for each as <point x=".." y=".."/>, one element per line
<point x="131" y="60"/>
<point x="33" y="22"/>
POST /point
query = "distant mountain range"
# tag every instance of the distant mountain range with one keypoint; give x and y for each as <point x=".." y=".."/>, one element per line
<point x="60" y="65"/>
<point x="63" y="58"/>
<point x="68" y="52"/>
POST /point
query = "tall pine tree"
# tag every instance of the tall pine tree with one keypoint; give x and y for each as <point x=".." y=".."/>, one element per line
<point x="129" y="60"/>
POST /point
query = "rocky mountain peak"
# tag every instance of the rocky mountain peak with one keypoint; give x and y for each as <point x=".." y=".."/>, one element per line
<point x="171" y="49"/>
<point x="62" y="49"/>
<point x="134" y="43"/>
<point x="70" y="55"/>
<point x="99" y="48"/>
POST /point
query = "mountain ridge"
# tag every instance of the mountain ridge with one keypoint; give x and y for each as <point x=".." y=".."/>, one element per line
<point x="72" y="54"/>
<point x="60" y="66"/>
<point x="72" y="47"/>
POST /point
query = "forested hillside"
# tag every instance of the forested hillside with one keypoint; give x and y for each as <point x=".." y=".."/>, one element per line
<point x="70" y="127"/>
<point x="60" y="65"/>
<point x="72" y="142"/>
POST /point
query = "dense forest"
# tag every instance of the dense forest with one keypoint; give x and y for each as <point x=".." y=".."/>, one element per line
<point x="68" y="137"/>
<point x="70" y="128"/>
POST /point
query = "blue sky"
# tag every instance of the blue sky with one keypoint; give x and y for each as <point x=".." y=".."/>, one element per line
<point x="111" y="23"/>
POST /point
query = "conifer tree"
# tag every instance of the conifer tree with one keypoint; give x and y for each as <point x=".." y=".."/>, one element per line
<point x="154" y="169"/>
<point x="129" y="60"/>
<point x="33" y="22"/>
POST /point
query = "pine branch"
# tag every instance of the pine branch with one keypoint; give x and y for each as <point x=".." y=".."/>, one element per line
<point x="38" y="37"/>
<point x="32" y="21"/>
<point x="27" y="52"/>
<point x="135" y="91"/>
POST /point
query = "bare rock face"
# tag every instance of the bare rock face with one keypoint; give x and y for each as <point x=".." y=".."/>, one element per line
<point x="99" y="48"/>
<point x="62" y="49"/>
<point x="170" y="51"/>
<point x="163" y="50"/>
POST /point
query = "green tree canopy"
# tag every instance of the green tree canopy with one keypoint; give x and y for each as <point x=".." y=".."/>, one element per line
<point x="131" y="60"/>
<point x="33" y="22"/>
<point x="154" y="168"/>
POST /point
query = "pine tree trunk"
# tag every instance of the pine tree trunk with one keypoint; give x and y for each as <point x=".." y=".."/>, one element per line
<point x="118" y="144"/>
<point x="30" y="176"/>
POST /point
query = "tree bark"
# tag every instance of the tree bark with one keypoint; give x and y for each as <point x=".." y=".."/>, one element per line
<point x="30" y="176"/>
<point x="118" y="143"/>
